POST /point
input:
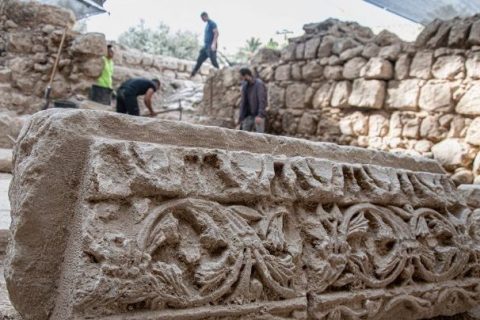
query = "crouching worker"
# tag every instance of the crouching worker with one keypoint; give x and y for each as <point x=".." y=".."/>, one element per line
<point x="129" y="91"/>
<point x="253" y="102"/>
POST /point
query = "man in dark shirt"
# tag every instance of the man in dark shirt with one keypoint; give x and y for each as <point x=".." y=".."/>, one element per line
<point x="253" y="102"/>
<point x="209" y="49"/>
<point x="129" y="91"/>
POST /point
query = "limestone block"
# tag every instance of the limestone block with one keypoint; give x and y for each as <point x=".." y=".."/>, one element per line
<point x="473" y="66"/>
<point x="295" y="95"/>
<point x="92" y="67"/>
<point x="307" y="124"/>
<point x="386" y="38"/>
<point x="436" y="96"/>
<point x="474" y="36"/>
<point x="282" y="73"/>
<point x="423" y="146"/>
<point x="404" y="94"/>
<point x="367" y="94"/>
<point x="311" y="47"/>
<point x="377" y="125"/>
<point x="297" y="71"/>
<point x="449" y="67"/>
<point x="370" y="50"/>
<point x="421" y="65"/>
<point x="90" y="43"/>
<point x="333" y="72"/>
<point x="458" y="34"/>
<point x="288" y="54"/>
<point x="402" y="67"/>
<point x="378" y="68"/>
<point x="353" y="67"/>
<point x="323" y="95"/>
<point x="300" y="51"/>
<point x="390" y="52"/>
<point x="411" y="126"/>
<point x="343" y="44"/>
<point x="325" y="48"/>
<point x="473" y="132"/>
<point x="476" y="166"/>
<point x="351" y="53"/>
<point x="462" y="176"/>
<point x="276" y="96"/>
<point x="166" y="220"/>
<point x="341" y="94"/>
<point x="312" y="71"/>
<point x="453" y="153"/>
<point x="469" y="103"/>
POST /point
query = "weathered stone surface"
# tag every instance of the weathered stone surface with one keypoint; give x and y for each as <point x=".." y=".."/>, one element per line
<point x="474" y="36"/>
<point x="378" y="68"/>
<point x="436" y="96"/>
<point x="402" y="67"/>
<point x="90" y="43"/>
<point x="421" y="65"/>
<point x="370" y="50"/>
<point x="311" y="47"/>
<point x="462" y="176"/>
<point x="333" y="72"/>
<point x="390" y="52"/>
<point x="312" y="70"/>
<point x="295" y="95"/>
<point x="367" y="94"/>
<point x="353" y="67"/>
<point x="282" y="73"/>
<point x="377" y="125"/>
<point x="351" y="53"/>
<point x="469" y="104"/>
<point x="169" y="220"/>
<point x="473" y="66"/>
<point x="453" y="153"/>
<point x="403" y="94"/>
<point x="341" y="45"/>
<point x="341" y="94"/>
<point x="323" y="95"/>
<point x="449" y="67"/>
<point x="276" y="96"/>
<point x="473" y="132"/>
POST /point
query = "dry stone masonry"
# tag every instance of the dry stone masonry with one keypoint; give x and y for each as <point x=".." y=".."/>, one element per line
<point x="30" y="34"/>
<point x="116" y="217"/>
<point x="339" y="82"/>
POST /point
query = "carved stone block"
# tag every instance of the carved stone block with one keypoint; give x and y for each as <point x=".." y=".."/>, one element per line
<point x="116" y="217"/>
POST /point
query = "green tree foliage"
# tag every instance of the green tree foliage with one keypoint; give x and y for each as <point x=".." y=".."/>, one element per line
<point x="161" y="41"/>
<point x="272" y="44"/>
<point x="248" y="50"/>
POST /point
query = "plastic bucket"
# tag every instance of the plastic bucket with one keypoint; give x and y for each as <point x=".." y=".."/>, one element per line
<point x="101" y="95"/>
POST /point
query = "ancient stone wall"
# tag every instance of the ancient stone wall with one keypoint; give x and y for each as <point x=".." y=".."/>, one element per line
<point x="30" y="35"/>
<point x="118" y="217"/>
<point x="341" y="83"/>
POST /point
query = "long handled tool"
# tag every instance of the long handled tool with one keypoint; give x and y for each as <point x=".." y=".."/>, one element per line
<point x="48" y="90"/>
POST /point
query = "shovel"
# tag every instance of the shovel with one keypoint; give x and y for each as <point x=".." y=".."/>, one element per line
<point x="48" y="90"/>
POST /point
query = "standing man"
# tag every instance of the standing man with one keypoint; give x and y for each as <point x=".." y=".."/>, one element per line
<point x="106" y="78"/>
<point x="129" y="91"/>
<point x="253" y="102"/>
<point x="209" y="49"/>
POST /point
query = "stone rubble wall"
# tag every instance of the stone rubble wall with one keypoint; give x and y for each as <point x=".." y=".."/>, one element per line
<point x="30" y="34"/>
<point x="339" y="82"/>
